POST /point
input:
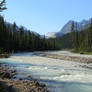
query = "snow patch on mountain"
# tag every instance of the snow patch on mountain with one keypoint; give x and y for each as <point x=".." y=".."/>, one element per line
<point x="83" y="25"/>
<point x="50" y="35"/>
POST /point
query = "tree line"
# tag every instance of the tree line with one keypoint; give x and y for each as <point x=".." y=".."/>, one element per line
<point x="17" y="38"/>
<point x="14" y="38"/>
<point x="82" y="40"/>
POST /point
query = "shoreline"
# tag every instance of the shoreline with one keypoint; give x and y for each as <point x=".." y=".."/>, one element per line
<point x="6" y="55"/>
<point x="76" y="57"/>
<point x="50" y="65"/>
<point x="7" y="84"/>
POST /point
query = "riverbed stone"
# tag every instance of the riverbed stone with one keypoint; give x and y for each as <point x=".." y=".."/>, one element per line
<point x="17" y="85"/>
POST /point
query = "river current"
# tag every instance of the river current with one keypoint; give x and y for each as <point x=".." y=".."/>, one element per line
<point x="59" y="75"/>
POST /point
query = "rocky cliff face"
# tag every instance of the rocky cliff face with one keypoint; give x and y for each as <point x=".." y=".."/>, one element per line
<point x="83" y="25"/>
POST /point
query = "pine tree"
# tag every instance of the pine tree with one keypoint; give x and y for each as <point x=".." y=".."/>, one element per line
<point x="76" y="38"/>
<point x="2" y="5"/>
<point x="1" y="31"/>
<point x="91" y="34"/>
<point x="18" y="39"/>
<point x="73" y="35"/>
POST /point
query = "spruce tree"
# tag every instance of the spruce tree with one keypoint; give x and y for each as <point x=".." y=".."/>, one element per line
<point x="73" y="35"/>
<point x="2" y="5"/>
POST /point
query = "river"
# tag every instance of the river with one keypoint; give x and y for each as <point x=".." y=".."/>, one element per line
<point x="59" y="75"/>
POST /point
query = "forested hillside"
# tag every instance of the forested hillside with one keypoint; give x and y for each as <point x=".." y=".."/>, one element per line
<point x="14" y="38"/>
<point x="82" y="41"/>
<point x="65" y="41"/>
<point x="77" y="40"/>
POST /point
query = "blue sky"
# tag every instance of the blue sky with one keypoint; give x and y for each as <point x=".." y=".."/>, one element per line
<point x="45" y="16"/>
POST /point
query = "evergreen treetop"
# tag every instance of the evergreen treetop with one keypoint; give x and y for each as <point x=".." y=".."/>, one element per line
<point x="3" y="5"/>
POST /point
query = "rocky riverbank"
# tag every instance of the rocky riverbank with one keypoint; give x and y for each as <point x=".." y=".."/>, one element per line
<point x="6" y="55"/>
<point x="66" y="56"/>
<point x="7" y="84"/>
<point x="71" y="58"/>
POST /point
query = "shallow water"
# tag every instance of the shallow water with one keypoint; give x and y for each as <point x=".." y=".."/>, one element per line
<point x="57" y="78"/>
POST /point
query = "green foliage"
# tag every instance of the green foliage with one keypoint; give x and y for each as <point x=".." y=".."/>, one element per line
<point x="3" y="87"/>
<point x="83" y="42"/>
<point x="79" y="41"/>
<point x="2" y="50"/>
<point x="17" y="38"/>
<point x="65" y="41"/>
<point x="2" y="5"/>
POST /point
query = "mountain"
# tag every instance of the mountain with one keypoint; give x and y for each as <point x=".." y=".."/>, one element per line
<point x="51" y="35"/>
<point x="83" y="25"/>
<point x="18" y="27"/>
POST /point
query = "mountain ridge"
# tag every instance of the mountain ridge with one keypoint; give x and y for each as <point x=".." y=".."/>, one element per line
<point x="82" y="25"/>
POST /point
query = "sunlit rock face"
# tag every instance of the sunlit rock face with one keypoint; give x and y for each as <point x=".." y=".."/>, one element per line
<point x="83" y="25"/>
